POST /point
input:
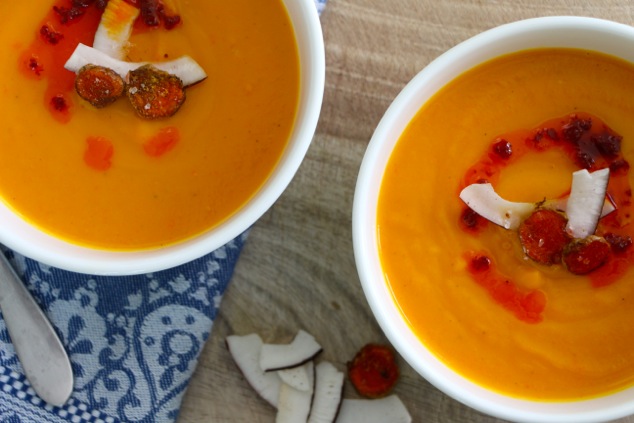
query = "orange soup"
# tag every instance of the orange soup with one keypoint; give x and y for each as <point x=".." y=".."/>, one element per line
<point x="108" y="179"/>
<point x="466" y="287"/>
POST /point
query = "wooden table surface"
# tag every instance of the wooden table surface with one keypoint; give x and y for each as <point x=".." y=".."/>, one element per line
<point x="297" y="269"/>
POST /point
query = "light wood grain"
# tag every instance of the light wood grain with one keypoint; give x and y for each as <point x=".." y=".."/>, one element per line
<point x="297" y="269"/>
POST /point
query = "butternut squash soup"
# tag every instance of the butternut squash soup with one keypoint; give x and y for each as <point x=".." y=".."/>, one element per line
<point x="142" y="172"/>
<point x="503" y="307"/>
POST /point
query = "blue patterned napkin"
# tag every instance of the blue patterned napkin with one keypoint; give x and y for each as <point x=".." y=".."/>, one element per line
<point x="133" y="341"/>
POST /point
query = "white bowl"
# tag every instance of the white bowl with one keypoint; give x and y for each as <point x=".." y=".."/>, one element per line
<point x="574" y="32"/>
<point x="19" y="235"/>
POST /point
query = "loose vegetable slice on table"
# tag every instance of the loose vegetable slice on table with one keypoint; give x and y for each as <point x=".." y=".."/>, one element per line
<point x="328" y="393"/>
<point x="389" y="409"/>
<point x="283" y="356"/>
<point x="115" y="28"/>
<point x="373" y="370"/>
<point x="293" y="405"/>
<point x="245" y="351"/>
<point x="585" y="205"/>
<point x="185" y="68"/>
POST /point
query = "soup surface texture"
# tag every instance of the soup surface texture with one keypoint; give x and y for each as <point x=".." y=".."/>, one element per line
<point x="153" y="182"/>
<point x="539" y="332"/>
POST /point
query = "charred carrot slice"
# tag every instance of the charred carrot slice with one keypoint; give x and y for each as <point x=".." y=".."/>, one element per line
<point x="153" y="93"/>
<point x="373" y="371"/>
<point x="582" y="256"/>
<point x="543" y="236"/>
<point x="98" y="85"/>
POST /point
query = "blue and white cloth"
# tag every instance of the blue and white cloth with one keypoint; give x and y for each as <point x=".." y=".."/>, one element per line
<point x="133" y="341"/>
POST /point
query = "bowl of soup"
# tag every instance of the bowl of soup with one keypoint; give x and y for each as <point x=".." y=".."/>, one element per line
<point x="471" y="302"/>
<point x="216" y="105"/>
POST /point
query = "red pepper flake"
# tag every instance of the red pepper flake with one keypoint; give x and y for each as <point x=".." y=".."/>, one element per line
<point x="35" y="66"/>
<point x="51" y="36"/>
<point x="479" y="264"/>
<point x="149" y="12"/>
<point x="98" y="153"/>
<point x="59" y="103"/>
<point x="472" y="221"/>
<point x="164" y="141"/>
<point x="619" y="166"/>
<point x="373" y="371"/>
<point x="68" y="14"/>
<point x="502" y="149"/>
<point x="574" y="130"/>
<point x="619" y="243"/>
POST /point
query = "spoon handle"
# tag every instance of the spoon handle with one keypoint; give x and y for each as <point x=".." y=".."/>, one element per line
<point x="41" y="353"/>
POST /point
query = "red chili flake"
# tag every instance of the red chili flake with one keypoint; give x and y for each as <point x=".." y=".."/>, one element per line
<point x="59" y="103"/>
<point x="50" y="35"/>
<point x="574" y="129"/>
<point x="543" y="236"/>
<point x="471" y="220"/>
<point x="619" y="166"/>
<point x="552" y="134"/>
<point x="503" y="149"/>
<point x="161" y="143"/>
<point x="149" y="12"/>
<point x="35" y="66"/>
<point x="480" y="264"/>
<point x="584" y="159"/>
<point x="583" y="256"/>
<point x="619" y="243"/>
<point x="68" y="14"/>
<point x="373" y="371"/>
<point x="608" y="145"/>
<point x="98" y="153"/>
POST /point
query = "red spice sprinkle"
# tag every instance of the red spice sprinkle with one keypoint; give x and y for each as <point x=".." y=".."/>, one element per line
<point x="35" y="66"/>
<point x="68" y="14"/>
<point x="608" y="145"/>
<point x="50" y="35"/>
<point x="149" y="12"/>
<point x="480" y="264"/>
<point x="574" y="129"/>
<point x="503" y="149"/>
<point x="59" y="103"/>
<point x="471" y="220"/>
<point x="619" y="243"/>
<point x="619" y="166"/>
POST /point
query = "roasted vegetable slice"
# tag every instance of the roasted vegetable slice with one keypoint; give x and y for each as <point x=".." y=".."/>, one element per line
<point x="98" y="85"/>
<point x="154" y="93"/>
<point x="373" y="371"/>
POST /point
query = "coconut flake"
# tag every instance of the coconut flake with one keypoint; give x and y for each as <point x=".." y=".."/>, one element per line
<point x="293" y="405"/>
<point x="298" y="377"/>
<point x="185" y="68"/>
<point x="586" y="202"/>
<point x="389" y="409"/>
<point x="483" y="199"/>
<point x="245" y="351"/>
<point x="328" y="393"/>
<point x="115" y="28"/>
<point x="284" y="356"/>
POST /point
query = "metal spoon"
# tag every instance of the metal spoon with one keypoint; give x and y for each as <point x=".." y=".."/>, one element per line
<point x="36" y="344"/>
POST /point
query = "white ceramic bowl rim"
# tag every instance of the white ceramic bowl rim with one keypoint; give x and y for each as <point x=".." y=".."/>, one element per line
<point x="18" y="235"/>
<point x="558" y="31"/>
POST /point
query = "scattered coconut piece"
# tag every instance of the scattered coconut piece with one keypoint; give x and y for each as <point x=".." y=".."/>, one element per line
<point x="98" y="85"/>
<point x="299" y="377"/>
<point x="115" y="28"/>
<point x="388" y="409"/>
<point x="245" y="351"/>
<point x="283" y="356"/>
<point x="293" y="405"/>
<point x="185" y="68"/>
<point x="585" y="205"/>
<point x="561" y="204"/>
<point x="483" y="199"/>
<point x="328" y="393"/>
